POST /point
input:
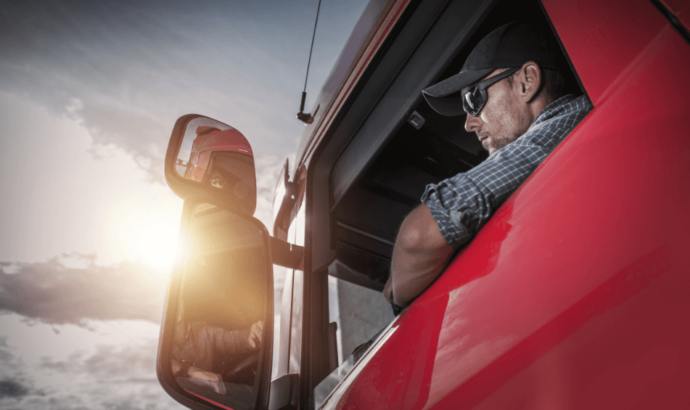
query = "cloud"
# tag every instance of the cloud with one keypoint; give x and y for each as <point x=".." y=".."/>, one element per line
<point x="126" y="70"/>
<point x="14" y="380"/>
<point x="4" y="355"/>
<point x="113" y="374"/>
<point x="12" y="388"/>
<point x="51" y="292"/>
<point x="121" y="364"/>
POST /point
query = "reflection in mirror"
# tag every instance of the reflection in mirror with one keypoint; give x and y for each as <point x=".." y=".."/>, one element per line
<point x="218" y="155"/>
<point x="218" y="337"/>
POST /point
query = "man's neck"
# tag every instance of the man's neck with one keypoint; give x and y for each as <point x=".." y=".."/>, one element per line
<point x="538" y="104"/>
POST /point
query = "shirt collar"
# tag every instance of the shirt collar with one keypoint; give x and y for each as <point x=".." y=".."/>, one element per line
<point x="558" y="107"/>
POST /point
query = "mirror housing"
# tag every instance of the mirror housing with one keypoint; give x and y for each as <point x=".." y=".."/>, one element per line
<point x="220" y="296"/>
<point x="211" y="159"/>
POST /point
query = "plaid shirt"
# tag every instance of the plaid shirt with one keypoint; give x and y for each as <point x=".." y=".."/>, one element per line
<point x="462" y="204"/>
<point x="206" y="345"/>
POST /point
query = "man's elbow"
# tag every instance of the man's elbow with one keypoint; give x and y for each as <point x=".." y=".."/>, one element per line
<point x="419" y="233"/>
<point x="419" y="255"/>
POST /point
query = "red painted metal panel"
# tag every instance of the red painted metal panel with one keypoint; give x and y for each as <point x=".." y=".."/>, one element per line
<point x="611" y="263"/>
<point x="603" y="38"/>
<point x="575" y="294"/>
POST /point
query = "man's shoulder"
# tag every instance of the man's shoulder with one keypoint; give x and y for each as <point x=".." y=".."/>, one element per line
<point x="557" y="119"/>
<point x="565" y="106"/>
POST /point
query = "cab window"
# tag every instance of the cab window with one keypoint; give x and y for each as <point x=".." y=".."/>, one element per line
<point x="380" y="172"/>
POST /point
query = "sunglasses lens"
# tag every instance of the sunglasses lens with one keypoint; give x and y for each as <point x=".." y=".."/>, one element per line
<point x="473" y="101"/>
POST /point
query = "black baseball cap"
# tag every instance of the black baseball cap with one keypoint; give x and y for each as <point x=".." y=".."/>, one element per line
<point x="510" y="45"/>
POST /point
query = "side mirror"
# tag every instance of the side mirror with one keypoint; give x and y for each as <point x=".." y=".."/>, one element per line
<point x="208" y="158"/>
<point x="215" y="348"/>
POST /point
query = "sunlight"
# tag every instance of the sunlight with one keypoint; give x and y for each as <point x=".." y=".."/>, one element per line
<point x="157" y="243"/>
<point x="142" y="225"/>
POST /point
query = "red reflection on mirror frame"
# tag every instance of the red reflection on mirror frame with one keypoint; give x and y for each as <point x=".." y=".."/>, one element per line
<point x="210" y="401"/>
<point x="211" y="139"/>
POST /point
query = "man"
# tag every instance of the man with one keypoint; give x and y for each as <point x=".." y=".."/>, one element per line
<point x="511" y="88"/>
<point x="196" y="346"/>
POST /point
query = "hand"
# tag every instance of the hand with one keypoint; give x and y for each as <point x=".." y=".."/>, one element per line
<point x="254" y="336"/>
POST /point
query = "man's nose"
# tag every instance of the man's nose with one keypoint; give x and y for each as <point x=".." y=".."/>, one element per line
<point x="472" y="123"/>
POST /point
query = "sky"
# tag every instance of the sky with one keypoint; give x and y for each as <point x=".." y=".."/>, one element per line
<point x="89" y="92"/>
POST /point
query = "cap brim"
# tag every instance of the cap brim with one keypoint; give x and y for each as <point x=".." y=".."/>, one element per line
<point x="444" y="97"/>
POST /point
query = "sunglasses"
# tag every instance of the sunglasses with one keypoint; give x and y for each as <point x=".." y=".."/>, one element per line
<point x="475" y="98"/>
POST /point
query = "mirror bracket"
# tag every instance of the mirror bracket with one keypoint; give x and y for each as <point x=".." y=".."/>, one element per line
<point x="286" y="254"/>
<point x="285" y="208"/>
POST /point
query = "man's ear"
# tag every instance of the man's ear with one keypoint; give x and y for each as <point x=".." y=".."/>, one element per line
<point x="529" y="81"/>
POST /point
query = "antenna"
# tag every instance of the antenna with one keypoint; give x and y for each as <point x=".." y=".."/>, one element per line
<point x="301" y="115"/>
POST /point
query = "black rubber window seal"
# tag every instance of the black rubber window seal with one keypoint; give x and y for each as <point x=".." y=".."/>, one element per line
<point x="675" y="22"/>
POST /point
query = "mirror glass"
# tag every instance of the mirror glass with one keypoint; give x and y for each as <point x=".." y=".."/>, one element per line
<point x="219" y="332"/>
<point x="219" y="156"/>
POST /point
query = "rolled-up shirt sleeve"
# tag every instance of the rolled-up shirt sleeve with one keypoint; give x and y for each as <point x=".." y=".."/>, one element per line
<point x="462" y="204"/>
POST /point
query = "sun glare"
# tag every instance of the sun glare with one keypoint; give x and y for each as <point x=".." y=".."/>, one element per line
<point x="144" y="226"/>
<point x="157" y="243"/>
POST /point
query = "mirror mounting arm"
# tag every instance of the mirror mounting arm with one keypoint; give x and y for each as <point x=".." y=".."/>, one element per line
<point x="286" y="207"/>
<point x="286" y="254"/>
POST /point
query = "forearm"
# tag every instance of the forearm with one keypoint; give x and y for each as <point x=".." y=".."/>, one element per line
<point x="413" y="271"/>
<point x="419" y="256"/>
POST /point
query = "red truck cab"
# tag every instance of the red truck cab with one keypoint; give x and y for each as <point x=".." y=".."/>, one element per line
<point x="573" y="295"/>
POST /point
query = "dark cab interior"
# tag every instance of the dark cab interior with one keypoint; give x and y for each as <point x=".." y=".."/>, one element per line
<point x="379" y="177"/>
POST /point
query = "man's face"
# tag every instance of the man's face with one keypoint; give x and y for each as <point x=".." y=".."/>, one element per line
<point x="502" y="119"/>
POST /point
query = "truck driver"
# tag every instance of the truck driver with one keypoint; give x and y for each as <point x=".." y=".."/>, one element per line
<point x="512" y="89"/>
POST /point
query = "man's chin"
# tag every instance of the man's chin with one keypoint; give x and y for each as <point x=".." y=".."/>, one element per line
<point x="492" y="146"/>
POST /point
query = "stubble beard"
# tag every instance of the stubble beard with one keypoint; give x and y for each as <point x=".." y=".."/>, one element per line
<point x="498" y="143"/>
<point x="502" y="141"/>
